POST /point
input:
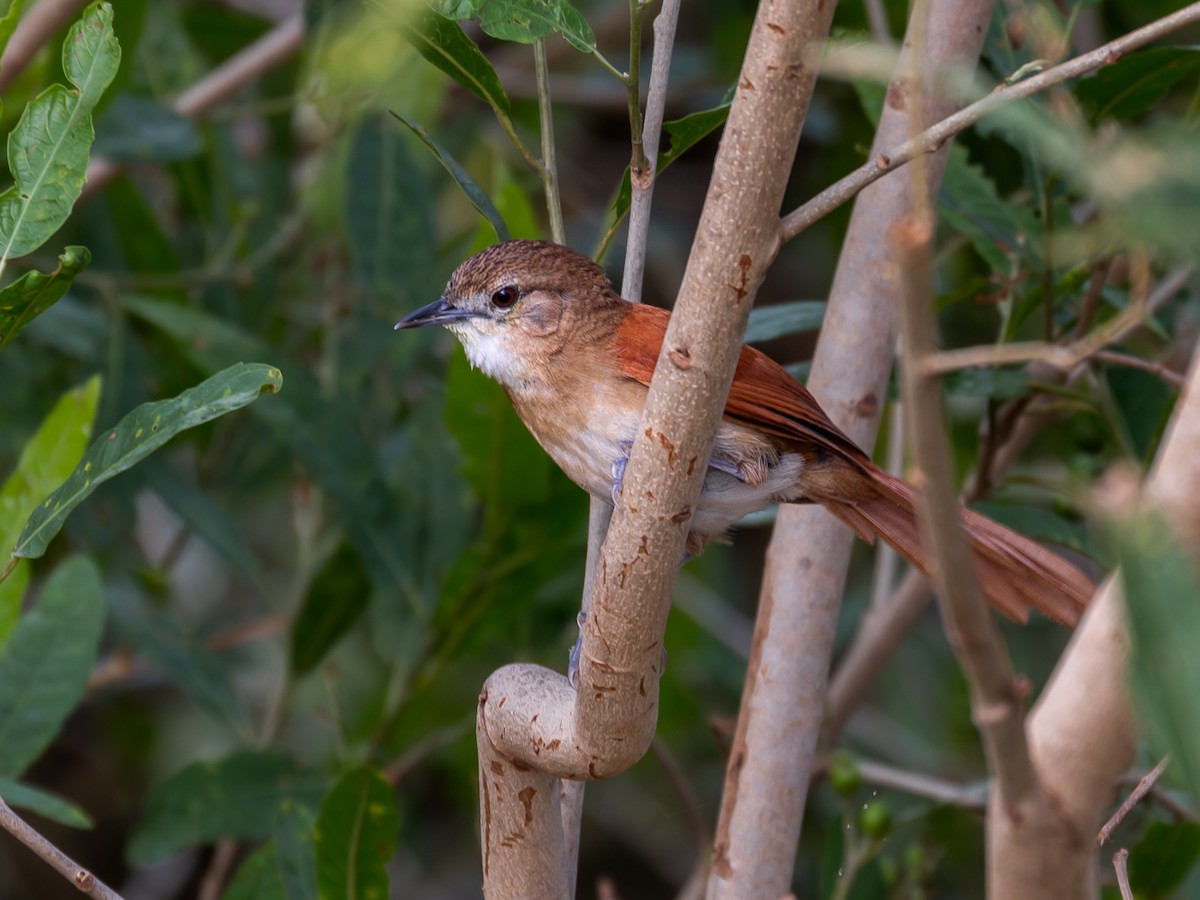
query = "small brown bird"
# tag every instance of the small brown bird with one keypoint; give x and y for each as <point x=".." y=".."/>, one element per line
<point x="575" y="360"/>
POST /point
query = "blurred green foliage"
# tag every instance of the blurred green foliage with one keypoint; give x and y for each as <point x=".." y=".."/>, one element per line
<point x="273" y="630"/>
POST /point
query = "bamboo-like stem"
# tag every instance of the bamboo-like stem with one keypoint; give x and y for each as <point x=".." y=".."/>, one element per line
<point x="549" y="170"/>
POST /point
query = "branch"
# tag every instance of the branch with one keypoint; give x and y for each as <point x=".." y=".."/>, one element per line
<point x="774" y="751"/>
<point x="533" y="728"/>
<point x="36" y="26"/>
<point x="277" y="45"/>
<point x="549" y="167"/>
<point x="996" y="696"/>
<point x="87" y="883"/>
<point x="930" y="140"/>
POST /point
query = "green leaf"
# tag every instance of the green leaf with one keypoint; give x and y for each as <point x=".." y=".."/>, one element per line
<point x="139" y="434"/>
<point x="43" y="803"/>
<point x="523" y="21"/>
<point x="157" y="635"/>
<point x="1136" y="83"/>
<point x="683" y="134"/>
<point x="48" y="149"/>
<point x="258" y="877"/>
<point x="35" y="292"/>
<point x="999" y="384"/>
<point x="237" y="797"/>
<point x="133" y="128"/>
<point x="387" y="211"/>
<point x="1143" y="405"/>
<point x="356" y="837"/>
<point x="44" y="668"/>
<point x="474" y="192"/>
<point x="46" y="460"/>
<point x="443" y="42"/>
<point x="998" y="230"/>
<point x="1161" y="594"/>
<point x="285" y="867"/>
<point x="336" y="600"/>
<point x="295" y="848"/>
<point x="1162" y="858"/>
<point x="769" y="322"/>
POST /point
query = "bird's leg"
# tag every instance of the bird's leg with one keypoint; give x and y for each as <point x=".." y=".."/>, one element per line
<point x="720" y="463"/>
<point x="573" y="653"/>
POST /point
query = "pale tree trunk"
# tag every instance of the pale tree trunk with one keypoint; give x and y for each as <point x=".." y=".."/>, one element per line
<point x="774" y="748"/>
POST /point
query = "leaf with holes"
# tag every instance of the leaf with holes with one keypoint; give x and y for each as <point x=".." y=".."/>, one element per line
<point x="48" y="149"/>
<point x="138" y="435"/>
<point x="356" y="836"/>
<point x="35" y="292"/>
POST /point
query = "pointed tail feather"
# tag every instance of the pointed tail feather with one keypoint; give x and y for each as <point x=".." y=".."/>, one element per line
<point x="1014" y="572"/>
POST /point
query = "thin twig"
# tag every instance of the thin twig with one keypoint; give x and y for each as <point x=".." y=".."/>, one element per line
<point x="932" y="138"/>
<point x="549" y="171"/>
<point x="633" y="85"/>
<point x="1144" y="786"/>
<point x="87" y="883"/>
<point x="279" y="44"/>
<point x="1174" y="379"/>
<point x="1121" y="865"/>
<point x="1064" y="357"/>
<point x="223" y="857"/>
<point x="643" y="185"/>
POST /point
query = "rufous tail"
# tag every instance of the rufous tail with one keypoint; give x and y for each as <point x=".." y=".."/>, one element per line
<point x="1014" y="572"/>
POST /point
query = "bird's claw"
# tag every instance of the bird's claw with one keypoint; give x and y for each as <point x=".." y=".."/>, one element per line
<point x="618" y="470"/>
<point x="573" y="653"/>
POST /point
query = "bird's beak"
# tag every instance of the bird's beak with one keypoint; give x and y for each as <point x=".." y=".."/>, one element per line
<point x="439" y="312"/>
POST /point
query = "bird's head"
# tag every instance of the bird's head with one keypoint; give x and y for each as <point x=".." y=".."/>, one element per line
<point x="515" y="305"/>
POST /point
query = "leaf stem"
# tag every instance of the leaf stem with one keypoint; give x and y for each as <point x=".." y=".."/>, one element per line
<point x="549" y="169"/>
<point x="633" y="83"/>
<point x="8" y="570"/>
<point x="623" y="77"/>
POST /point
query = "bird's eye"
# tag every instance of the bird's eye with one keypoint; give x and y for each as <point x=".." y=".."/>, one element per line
<point x="505" y="297"/>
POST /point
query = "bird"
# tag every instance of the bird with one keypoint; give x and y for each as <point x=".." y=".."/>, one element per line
<point x="575" y="360"/>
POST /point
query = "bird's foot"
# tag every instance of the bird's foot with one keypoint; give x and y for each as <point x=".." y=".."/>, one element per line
<point x="573" y="653"/>
<point x="618" y="470"/>
<point x="728" y="466"/>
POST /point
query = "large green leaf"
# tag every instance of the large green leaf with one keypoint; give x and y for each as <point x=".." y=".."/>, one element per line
<point x="1136" y="83"/>
<point x="158" y="636"/>
<point x="138" y="435"/>
<point x="46" y="460"/>
<point x="1162" y="601"/>
<point x="48" y="150"/>
<point x="43" y="803"/>
<point x="1163" y="857"/>
<point x="682" y="134"/>
<point x="479" y="199"/>
<point x="236" y="797"/>
<point x="443" y="42"/>
<point x="45" y="667"/>
<point x="336" y="600"/>
<point x="356" y="837"/>
<point x="388" y="211"/>
<point x="770" y="322"/>
<point x="524" y="21"/>
<point x="35" y="292"/>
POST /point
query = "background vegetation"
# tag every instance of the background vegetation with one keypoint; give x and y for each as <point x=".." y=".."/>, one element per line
<point x="283" y="617"/>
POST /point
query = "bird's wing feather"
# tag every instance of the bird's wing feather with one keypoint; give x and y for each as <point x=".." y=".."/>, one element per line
<point x="763" y="395"/>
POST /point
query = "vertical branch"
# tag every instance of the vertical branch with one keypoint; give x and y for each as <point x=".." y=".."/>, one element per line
<point x="549" y="170"/>
<point x="774" y="748"/>
<point x="996" y="695"/>
<point x="642" y="181"/>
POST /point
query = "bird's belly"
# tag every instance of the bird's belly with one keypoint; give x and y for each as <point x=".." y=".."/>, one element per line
<point x="725" y="499"/>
